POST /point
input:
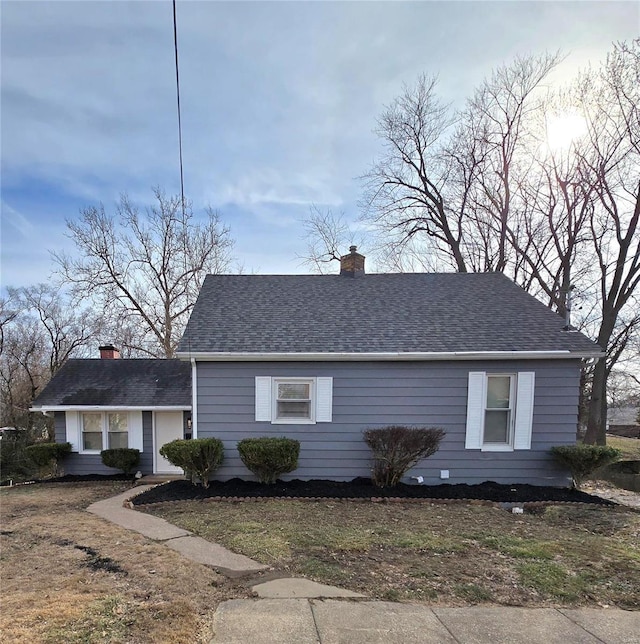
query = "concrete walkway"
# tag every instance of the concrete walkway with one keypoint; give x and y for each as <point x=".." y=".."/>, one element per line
<point x="297" y="611"/>
<point x="300" y="621"/>
<point x="183" y="541"/>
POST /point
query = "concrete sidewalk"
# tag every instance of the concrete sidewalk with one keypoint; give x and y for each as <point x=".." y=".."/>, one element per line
<point x="297" y="611"/>
<point x="302" y="621"/>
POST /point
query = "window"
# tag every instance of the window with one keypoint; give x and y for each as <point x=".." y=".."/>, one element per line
<point x="294" y="400"/>
<point x="499" y="411"/>
<point x="91" y="432"/>
<point x="104" y="431"/>
<point x="118" y="430"/>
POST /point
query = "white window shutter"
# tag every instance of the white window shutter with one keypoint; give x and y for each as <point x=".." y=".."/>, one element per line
<point x="524" y="410"/>
<point x="324" y="400"/>
<point x="72" y="425"/>
<point x="263" y="397"/>
<point x="135" y="430"/>
<point x="476" y="398"/>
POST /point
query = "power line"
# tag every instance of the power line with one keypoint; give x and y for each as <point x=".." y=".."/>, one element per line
<point x="175" y="46"/>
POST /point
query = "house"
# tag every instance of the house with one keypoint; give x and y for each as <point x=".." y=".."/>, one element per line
<point x="110" y="403"/>
<point x="320" y="358"/>
<point x="623" y="421"/>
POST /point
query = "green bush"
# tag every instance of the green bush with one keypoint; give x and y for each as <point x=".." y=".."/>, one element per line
<point x="198" y="457"/>
<point x="45" y="456"/>
<point x="581" y="460"/>
<point x="14" y="462"/>
<point x="122" y="458"/>
<point x="396" y="449"/>
<point x="268" y="458"/>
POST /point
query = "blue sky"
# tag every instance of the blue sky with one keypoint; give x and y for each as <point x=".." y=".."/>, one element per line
<point x="279" y="101"/>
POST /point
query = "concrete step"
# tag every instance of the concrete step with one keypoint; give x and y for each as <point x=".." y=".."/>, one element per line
<point x="155" y="479"/>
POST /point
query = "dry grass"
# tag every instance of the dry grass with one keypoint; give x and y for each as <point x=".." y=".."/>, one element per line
<point x="630" y="447"/>
<point x="68" y="576"/>
<point x="438" y="554"/>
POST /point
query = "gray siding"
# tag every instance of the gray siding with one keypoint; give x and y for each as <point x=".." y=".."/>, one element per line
<point x="80" y="464"/>
<point x="377" y="394"/>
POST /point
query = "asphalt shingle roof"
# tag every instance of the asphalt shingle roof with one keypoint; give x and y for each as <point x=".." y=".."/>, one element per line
<point x="409" y="312"/>
<point x="136" y="383"/>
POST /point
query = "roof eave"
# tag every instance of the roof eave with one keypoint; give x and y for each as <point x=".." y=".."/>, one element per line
<point x="426" y="356"/>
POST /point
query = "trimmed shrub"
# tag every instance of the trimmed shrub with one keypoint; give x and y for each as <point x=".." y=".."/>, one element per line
<point x="396" y="449"/>
<point x="268" y="458"/>
<point x="45" y="456"/>
<point x="198" y="457"/>
<point x="121" y="458"/>
<point x="581" y="460"/>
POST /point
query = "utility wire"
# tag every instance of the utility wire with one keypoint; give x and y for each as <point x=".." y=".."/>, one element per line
<point x="175" y="46"/>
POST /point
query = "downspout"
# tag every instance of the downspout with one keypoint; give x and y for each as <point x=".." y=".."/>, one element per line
<point x="194" y="399"/>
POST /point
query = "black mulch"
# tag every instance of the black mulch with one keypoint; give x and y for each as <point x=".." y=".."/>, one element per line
<point x="362" y="488"/>
<point x="74" y="478"/>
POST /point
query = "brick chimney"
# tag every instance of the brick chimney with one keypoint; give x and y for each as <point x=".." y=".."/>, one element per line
<point x="352" y="265"/>
<point x="109" y="352"/>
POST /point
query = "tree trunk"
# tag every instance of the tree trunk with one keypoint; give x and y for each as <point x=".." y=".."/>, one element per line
<point x="597" y="423"/>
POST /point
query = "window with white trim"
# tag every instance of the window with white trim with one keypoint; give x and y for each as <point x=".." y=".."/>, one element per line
<point x="92" y="432"/>
<point x="108" y="430"/>
<point x="294" y="400"/>
<point x="498" y="414"/>
<point x="117" y="430"/>
<point x="500" y="411"/>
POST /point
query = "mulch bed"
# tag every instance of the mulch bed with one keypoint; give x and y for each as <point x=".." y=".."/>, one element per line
<point x="74" y="478"/>
<point x="362" y="488"/>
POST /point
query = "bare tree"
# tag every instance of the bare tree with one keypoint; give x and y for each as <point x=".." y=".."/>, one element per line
<point x="404" y="195"/>
<point x="145" y="268"/>
<point x="490" y="161"/>
<point x="451" y="180"/>
<point x="68" y="329"/>
<point x="23" y="370"/>
<point x="328" y="236"/>
<point x="612" y="109"/>
<point x="41" y="329"/>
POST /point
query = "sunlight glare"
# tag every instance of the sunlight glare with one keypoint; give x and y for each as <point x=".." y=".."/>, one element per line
<point x="564" y="129"/>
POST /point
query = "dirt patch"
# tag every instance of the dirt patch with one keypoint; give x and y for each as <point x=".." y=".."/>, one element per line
<point x="69" y="576"/>
<point x="362" y="488"/>
<point x="452" y="555"/>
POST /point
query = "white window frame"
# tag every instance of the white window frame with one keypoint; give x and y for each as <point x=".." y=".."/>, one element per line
<point x="266" y="399"/>
<point x="311" y="419"/>
<point x="522" y="405"/>
<point x="506" y="446"/>
<point x="104" y="424"/>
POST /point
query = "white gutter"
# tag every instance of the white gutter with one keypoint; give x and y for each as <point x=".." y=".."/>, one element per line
<point x="45" y="409"/>
<point x="194" y="399"/>
<point x="391" y="356"/>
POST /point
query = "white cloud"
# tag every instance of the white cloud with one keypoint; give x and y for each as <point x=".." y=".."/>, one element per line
<point x="16" y="220"/>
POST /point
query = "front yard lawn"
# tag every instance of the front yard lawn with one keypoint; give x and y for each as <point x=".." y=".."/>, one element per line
<point x="68" y="576"/>
<point x="438" y="554"/>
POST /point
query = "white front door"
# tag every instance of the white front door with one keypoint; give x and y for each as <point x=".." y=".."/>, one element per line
<point x="167" y="427"/>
